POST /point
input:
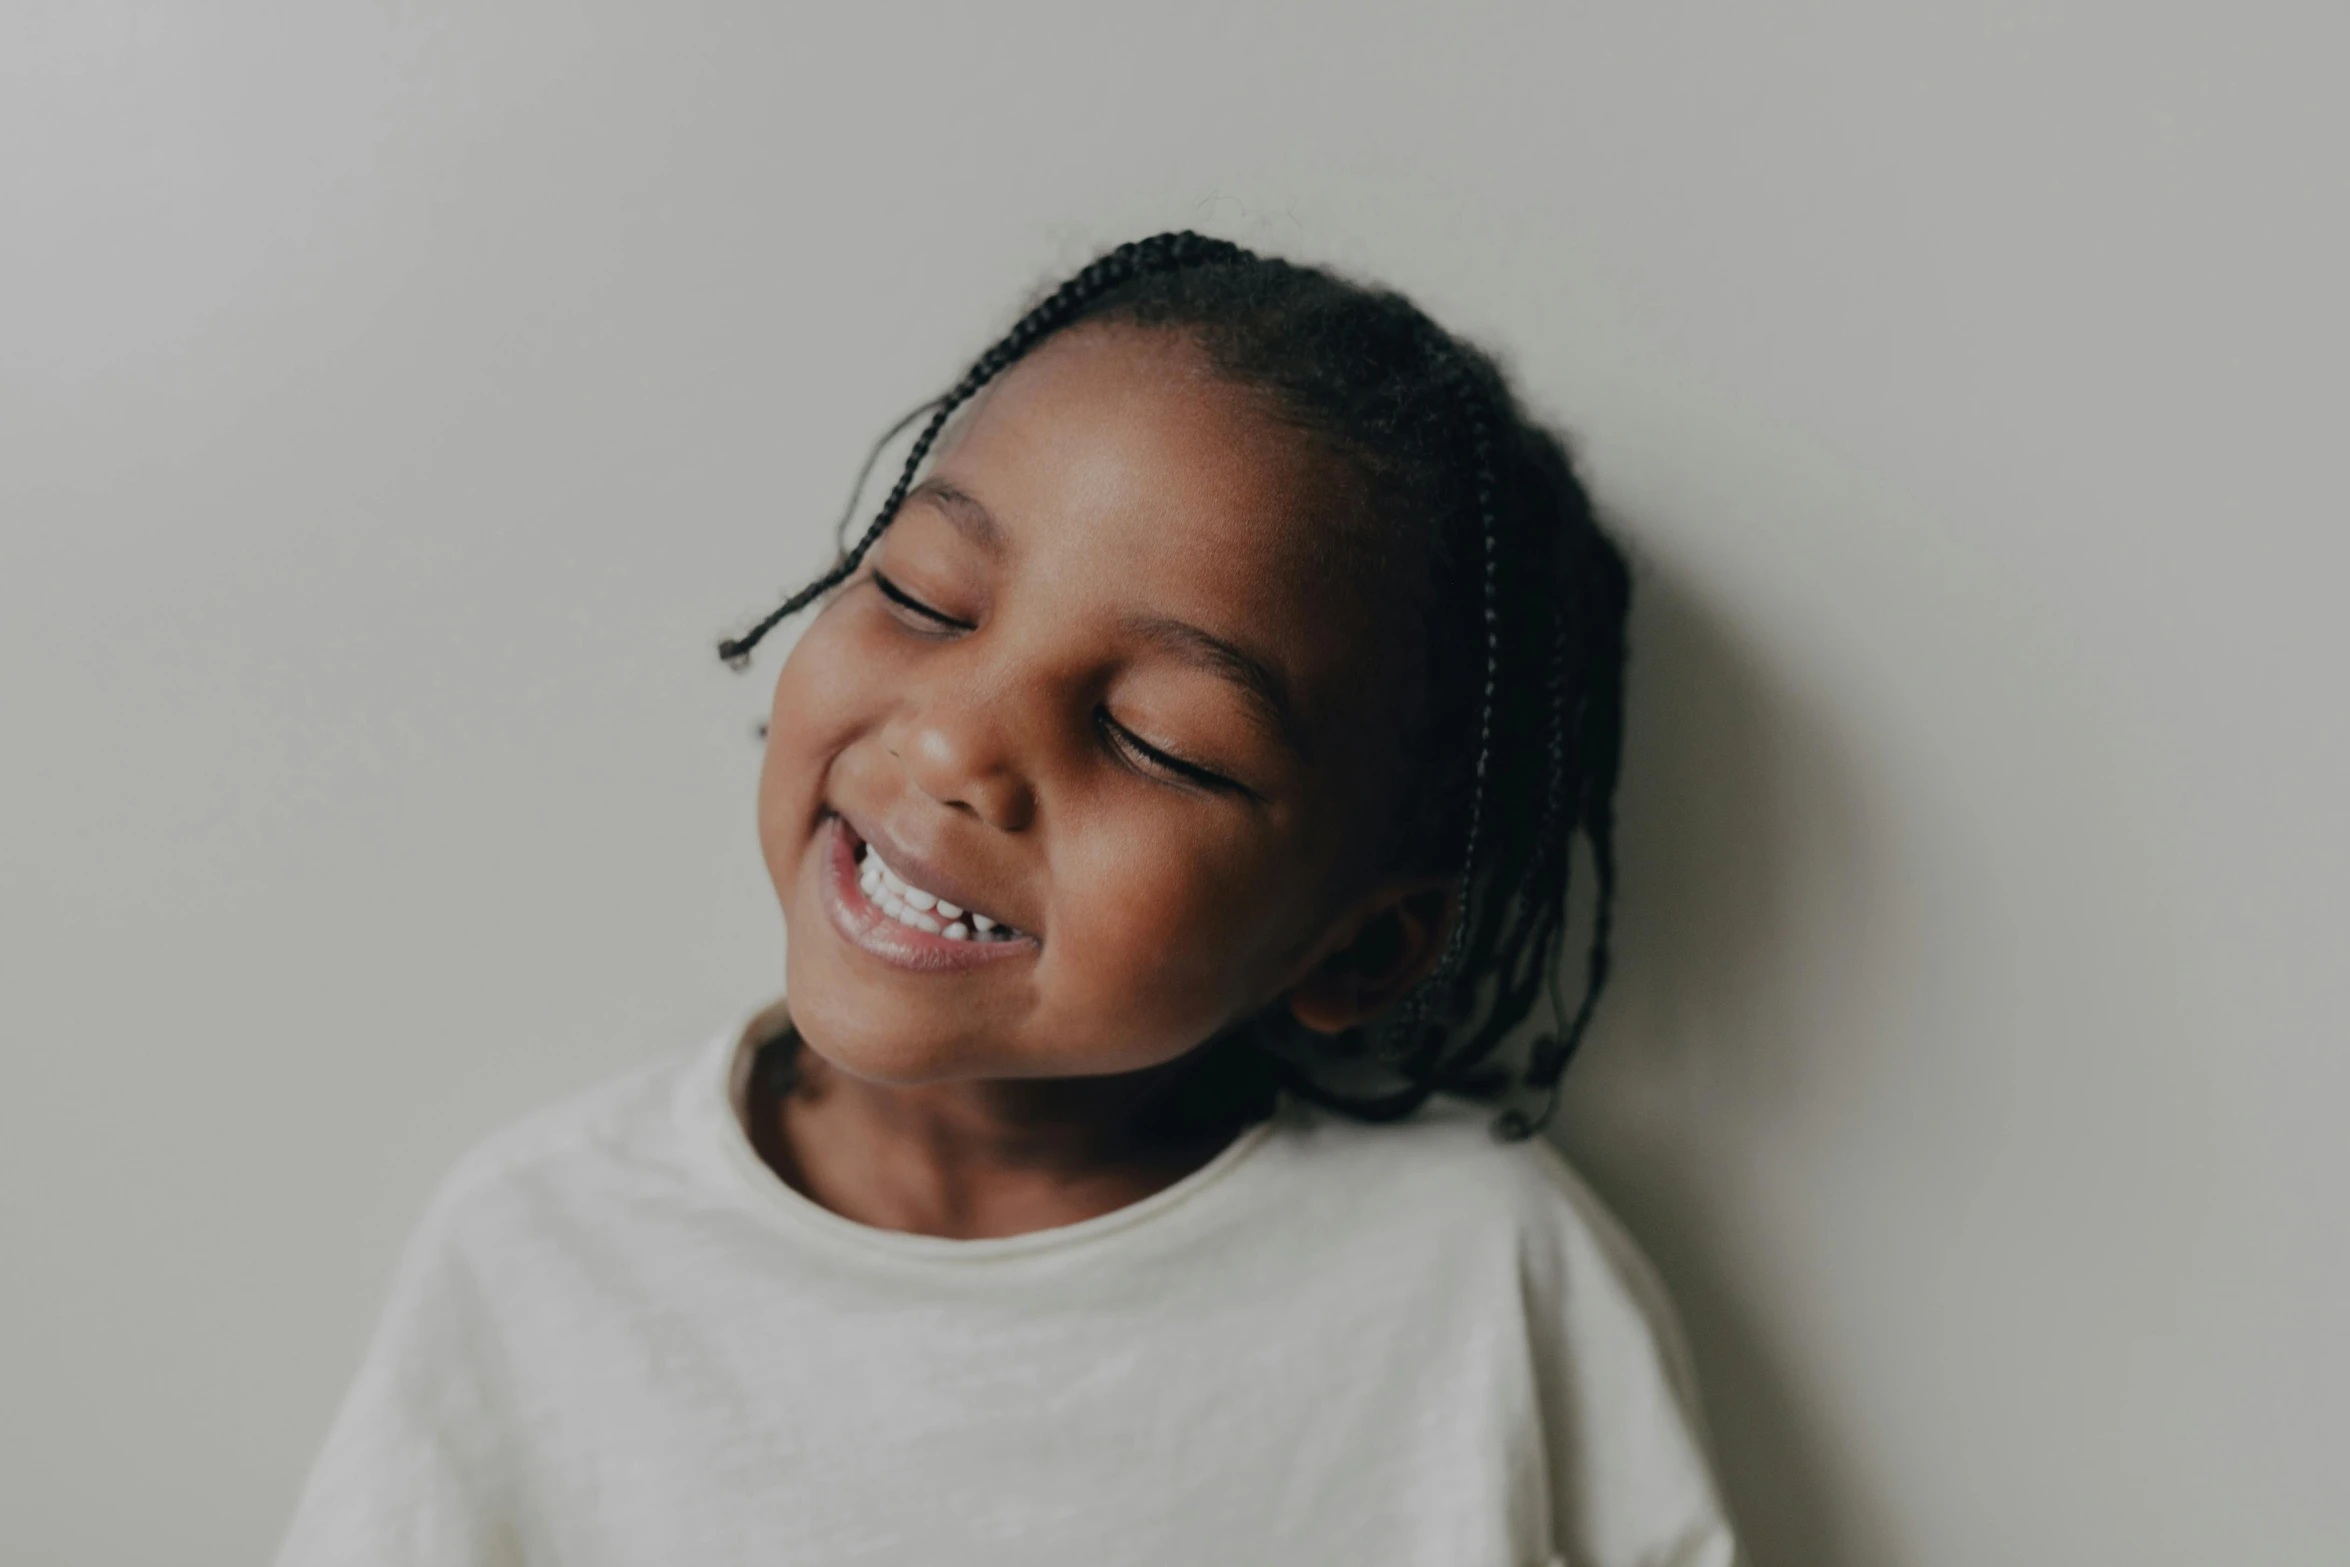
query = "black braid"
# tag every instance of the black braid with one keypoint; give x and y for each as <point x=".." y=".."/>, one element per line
<point x="1593" y="768"/>
<point x="1480" y="520"/>
<point x="1438" y="992"/>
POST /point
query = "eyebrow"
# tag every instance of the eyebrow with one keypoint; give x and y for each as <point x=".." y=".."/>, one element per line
<point x="1258" y="681"/>
<point x="970" y="519"/>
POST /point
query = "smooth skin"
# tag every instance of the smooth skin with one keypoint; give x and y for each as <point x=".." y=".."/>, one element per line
<point x="1110" y="671"/>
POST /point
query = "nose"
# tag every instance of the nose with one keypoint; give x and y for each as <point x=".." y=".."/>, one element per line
<point x="957" y="753"/>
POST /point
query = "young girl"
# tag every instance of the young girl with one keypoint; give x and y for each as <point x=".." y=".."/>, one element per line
<point x="1171" y="810"/>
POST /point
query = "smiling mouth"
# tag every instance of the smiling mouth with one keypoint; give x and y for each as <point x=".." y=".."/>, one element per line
<point x="902" y="924"/>
<point x="917" y="909"/>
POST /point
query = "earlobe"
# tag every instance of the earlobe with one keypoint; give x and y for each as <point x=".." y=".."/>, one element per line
<point x="1395" y="941"/>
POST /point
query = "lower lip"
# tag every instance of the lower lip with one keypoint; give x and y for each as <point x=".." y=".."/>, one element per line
<point x="861" y="921"/>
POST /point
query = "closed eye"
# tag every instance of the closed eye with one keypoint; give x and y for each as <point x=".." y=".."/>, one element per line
<point x="1146" y="758"/>
<point x="915" y="607"/>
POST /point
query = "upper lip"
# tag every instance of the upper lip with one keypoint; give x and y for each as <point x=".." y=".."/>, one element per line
<point x="928" y="874"/>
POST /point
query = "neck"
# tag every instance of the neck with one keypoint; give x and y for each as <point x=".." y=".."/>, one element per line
<point x="990" y="1158"/>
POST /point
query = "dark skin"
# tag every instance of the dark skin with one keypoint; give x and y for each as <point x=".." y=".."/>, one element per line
<point x="1102" y="678"/>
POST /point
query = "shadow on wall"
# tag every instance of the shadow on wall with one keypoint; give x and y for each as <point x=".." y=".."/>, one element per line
<point x="1742" y="843"/>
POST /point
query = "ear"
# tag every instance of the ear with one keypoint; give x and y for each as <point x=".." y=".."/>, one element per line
<point x="1384" y="946"/>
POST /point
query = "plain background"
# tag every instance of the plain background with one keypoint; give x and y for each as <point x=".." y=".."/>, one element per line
<point x="396" y="400"/>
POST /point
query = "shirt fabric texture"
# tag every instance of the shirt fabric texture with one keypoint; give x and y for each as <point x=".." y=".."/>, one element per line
<point x="617" y="1337"/>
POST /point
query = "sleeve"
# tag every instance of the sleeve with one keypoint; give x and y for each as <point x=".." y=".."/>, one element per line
<point x="412" y="1471"/>
<point x="1630" y="1481"/>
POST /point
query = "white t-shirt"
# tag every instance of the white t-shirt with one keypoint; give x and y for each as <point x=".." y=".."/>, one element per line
<point x="617" y="1337"/>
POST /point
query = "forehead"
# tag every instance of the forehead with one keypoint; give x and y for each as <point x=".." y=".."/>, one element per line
<point x="1122" y="456"/>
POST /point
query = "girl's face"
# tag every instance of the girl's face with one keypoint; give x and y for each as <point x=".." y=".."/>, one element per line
<point x="1104" y="683"/>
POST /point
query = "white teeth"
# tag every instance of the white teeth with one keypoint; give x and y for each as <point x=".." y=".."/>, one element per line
<point x="910" y="905"/>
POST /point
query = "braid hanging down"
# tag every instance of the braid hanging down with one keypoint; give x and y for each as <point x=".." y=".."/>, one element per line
<point x="1524" y="600"/>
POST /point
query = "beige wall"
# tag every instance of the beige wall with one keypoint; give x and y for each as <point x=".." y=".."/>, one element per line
<point x="395" y="399"/>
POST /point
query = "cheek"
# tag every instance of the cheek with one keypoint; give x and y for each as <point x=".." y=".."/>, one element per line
<point x="1180" y="932"/>
<point x="824" y="697"/>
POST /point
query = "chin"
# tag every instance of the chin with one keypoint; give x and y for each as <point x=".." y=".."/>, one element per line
<point x="877" y="1037"/>
<point x="894" y="1061"/>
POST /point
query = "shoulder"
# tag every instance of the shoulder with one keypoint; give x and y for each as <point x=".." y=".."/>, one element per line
<point x="1619" y="1414"/>
<point x="1442" y="1180"/>
<point x="421" y="1451"/>
<point x="1447" y="1161"/>
<point x="614" y="1141"/>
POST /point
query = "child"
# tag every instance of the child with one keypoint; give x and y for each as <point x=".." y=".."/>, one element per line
<point x="1171" y="810"/>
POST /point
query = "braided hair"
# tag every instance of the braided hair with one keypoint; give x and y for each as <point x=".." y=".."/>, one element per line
<point x="1477" y="518"/>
